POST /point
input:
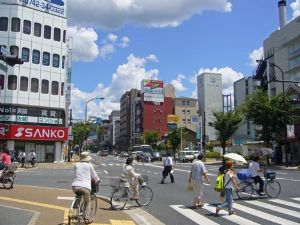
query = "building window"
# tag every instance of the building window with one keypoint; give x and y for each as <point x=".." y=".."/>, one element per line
<point x="56" y="34"/>
<point x="64" y="36"/>
<point x="14" y="50"/>
<point x="46" y="58"/>
<point x="15" y="24"/>
<point x="24" y="83"/>
<point x="25" y="54"/>
<point x="12" y="82"/>
<point x="1" y="82"/>
<point x="183" y="102"/>
<point x="62" y="89"/>
<point x="34" y="85"/>
<point x="35" y="56"/>
<point x="63" y="62"/>
<point x="55" y="62"/>
<point x="188" y="102"/>
<point x="45" y="87"/>
<point x="37" y="29"/>
<point x="47" y="32"/>
<point x="27" y="27"/>
<point x="54" y="88"/>
<point x="183" y="111"/>
<point x="3" y="23"/>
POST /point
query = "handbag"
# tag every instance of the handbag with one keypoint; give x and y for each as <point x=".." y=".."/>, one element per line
<point x="190" y="187"/>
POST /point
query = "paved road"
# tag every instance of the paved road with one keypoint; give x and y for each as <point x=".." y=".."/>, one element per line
<point x="171" y="201"/>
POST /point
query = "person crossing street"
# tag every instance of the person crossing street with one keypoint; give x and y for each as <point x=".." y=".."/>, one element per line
<point x="168" y="169"/>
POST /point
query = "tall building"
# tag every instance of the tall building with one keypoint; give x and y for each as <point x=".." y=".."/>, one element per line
<point x="114" y="130"/>
<point x="209" y="86"/>
<point x="32" y="111"/>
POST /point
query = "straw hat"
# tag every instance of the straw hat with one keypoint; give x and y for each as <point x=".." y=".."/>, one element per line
<point x="85" y="157"/>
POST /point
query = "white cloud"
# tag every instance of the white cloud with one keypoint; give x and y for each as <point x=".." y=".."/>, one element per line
<point x="296" y="8"/>
<point x="152" y="58"/>
<point x="124" y="42"/>
<point x="110" y="44"/>
<point x="106" y="50"/>
<point x="127" y="76"/>
<point x="154" y="13"/>
<point x="112" y="37"/>
<point x="178" y="85"/>
<point x="84" y="43"/>
<point x="255" y="55"/>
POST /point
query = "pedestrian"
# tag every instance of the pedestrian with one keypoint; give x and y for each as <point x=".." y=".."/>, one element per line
<point x="85" y="174"/>
<point x="229" y="182"/>
<point x="196" y="180"/>
<point x="221" y="171"/>
<point x="168" y="169"/>
<point x="176" y="157"/>
<point x="22" y="158"/>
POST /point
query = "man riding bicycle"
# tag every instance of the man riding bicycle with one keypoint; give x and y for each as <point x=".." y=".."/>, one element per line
<point x="254" y="170"/>
<point x="32" y="157"/>
<point x="84" y="175"/>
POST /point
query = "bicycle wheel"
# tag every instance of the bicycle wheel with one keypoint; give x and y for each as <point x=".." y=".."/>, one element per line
<point x="93" y="209"/>
<point x="8" y="181"/>
<point x="273" y="188"/>
<point x="245" y="191"/>
<point x="80" y="212"/>
<point x="118" y="198"/>
<point x="145" y="196"/>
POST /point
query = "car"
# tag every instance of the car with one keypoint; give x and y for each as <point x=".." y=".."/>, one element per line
<point x="124" y="154"/>
<point x="144" y="157"/>
<point x="186" y="156"/>
<point x="156" y="156"/>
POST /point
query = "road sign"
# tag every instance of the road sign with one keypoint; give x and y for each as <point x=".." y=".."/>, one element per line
<point x="99" y="120"/>
<point x="172" y="126"/>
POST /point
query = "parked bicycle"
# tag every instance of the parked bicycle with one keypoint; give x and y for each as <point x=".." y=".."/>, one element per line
<point x="121" y="194"/>
<point x="76" y="211"/>
<point x="247" y="188"/>
<point x="8" y="176"/>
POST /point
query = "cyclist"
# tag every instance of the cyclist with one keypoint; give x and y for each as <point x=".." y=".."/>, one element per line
<point x="132" y="177"/>
<point x="254" y="170"/>
<point x="22" y="158"/>
<point x="5" y="159"/>
<point x="84" y="175"/>
<point x="32" y="157"/>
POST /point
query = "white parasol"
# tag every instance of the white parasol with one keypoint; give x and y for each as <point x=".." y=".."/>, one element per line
<point x="235" y="157"/>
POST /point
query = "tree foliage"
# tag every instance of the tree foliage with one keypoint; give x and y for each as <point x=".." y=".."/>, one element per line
<point x="151" y="138"/>
<point x="174" y="139"/>
<point x="270" y="114"/>
<point x="226" y="124"/>
<point x="81" y="131"/>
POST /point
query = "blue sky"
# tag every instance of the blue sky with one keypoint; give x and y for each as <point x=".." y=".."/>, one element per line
<point x="117" y="43"/>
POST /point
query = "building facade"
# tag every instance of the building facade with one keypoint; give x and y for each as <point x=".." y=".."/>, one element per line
<point x="209" y="86"/>
<point x="114" y="128"/>
<point x="32" y="111"/>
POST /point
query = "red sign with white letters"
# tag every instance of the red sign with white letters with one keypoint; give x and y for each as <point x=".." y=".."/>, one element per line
<point x="24" y="132"/>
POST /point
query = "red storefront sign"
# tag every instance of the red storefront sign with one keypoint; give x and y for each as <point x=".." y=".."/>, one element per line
<point x="24" y="132"/>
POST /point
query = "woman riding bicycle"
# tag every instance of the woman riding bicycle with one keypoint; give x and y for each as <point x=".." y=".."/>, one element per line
<point x="132" y="177"/>
<point x="5" y="159"/>
<point x="84" y="175"/>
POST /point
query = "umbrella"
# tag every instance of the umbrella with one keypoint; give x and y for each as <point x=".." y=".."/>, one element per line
<point x="263" y="152"/>
<point x="235" y="157"/>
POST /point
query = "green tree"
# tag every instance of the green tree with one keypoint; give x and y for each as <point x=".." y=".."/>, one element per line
<point x="81" y="131"/>
<point x="151" y="138"/>
<point x="174" y="139"/>
<point x="270" y="114"/>
<point x="226" y="124"/>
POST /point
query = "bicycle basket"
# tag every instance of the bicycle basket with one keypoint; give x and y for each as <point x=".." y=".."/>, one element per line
<point x="271" y="175"/>
<point x="243" y="174"/>
<point x="143" y="179"/>
<point x="95" y="187"/>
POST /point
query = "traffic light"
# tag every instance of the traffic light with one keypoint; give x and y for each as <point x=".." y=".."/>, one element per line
<point x="11" y="59"/>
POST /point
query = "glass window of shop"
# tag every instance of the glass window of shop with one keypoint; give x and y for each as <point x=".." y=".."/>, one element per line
<point x="15" y="24"/>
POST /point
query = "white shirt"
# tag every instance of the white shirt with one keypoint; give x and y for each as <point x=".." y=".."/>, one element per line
<point x="254" y="168"/>
<point x="197" y="170"/>
<point x="168" y="161"/>
<point x="32" y="155"/>
<point x="227" y="183"/>
<point x="84" y="173"/>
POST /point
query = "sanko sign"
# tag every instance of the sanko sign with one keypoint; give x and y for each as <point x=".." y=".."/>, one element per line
<point x="35" y="133"/>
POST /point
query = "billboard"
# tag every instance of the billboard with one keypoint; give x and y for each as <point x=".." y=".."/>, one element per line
<point x="55" y="7"/>
<point x="173" y="119"/>
<point x="153" y="90"/>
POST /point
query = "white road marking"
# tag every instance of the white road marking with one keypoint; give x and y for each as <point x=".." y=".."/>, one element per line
<point x="296" y="199"/>
<point x="65" y="198"/>
<point x="263" y="215"/>
<point x="102" y="164"/>
<point x="106" y="172"/>
<point x="192" y="215"/>
<point x="280" y="178"/>
<point x="233" y="218"/>
<point x="288" y="203"/>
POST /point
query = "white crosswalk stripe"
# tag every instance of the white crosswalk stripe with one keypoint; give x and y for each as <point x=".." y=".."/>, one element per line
<point x="274" y="214"/>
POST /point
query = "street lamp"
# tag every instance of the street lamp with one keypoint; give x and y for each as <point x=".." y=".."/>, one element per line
<point x="282" y="81"/>
<point x="85" y="117"/>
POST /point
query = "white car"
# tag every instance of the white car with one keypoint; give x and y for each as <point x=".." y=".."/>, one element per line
<point x="186" y="156"/>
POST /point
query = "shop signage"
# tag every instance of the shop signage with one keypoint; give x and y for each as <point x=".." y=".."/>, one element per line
<point x="25" y="132"/>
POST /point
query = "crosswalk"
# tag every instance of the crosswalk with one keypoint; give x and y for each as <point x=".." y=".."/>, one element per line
<point x="252" y="212"/>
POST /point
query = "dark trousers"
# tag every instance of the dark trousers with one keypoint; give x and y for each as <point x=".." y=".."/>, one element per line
<point x="258" y="179"/>
<point x="166" y="172"/>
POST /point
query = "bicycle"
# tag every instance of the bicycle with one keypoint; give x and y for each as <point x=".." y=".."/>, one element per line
<point x="31" y="162"/>
<point x="121" y="194"/>
<point x="247" y="188"/>
<point x="8" y="176"/>
<point x="76" y="211"/>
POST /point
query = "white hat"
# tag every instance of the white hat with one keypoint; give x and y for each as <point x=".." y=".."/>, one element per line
<point x="85" y="157"/>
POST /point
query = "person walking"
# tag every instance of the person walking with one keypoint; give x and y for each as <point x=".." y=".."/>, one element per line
<point x="22" y="158"/>
<point x="229" y="182"/>
<point x="196" y="180"/>
<point x="85" y="174"/>
<point x="168" y="169"/>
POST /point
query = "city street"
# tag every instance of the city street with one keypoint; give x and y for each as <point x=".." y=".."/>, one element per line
<point x="171" y="201"/>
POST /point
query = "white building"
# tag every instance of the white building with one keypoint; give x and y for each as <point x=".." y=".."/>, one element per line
<point x="209" y="86"/>
<point x="33" y="94"/>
